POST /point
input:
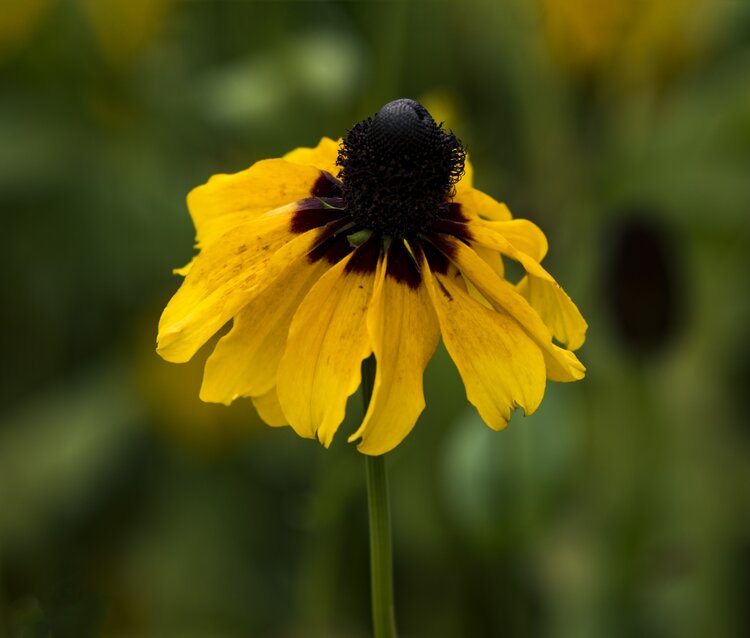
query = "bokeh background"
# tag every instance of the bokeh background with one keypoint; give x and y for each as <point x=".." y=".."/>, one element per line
<point x="621" y="508"/>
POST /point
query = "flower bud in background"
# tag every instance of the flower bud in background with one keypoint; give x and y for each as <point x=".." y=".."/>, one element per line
<point x="642" y="282"/>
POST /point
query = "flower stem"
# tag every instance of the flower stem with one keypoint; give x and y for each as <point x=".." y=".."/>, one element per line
<point x="381" y="569"/>
<point x="381" y="562"/>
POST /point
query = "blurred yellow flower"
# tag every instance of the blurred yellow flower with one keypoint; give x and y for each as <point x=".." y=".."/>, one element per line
<point x="19" y="20"/>
<point x="319" y="272"/>
<point x="123" y="28"/>
<point x="636" y="41"/>
<point x="442" y="106"/>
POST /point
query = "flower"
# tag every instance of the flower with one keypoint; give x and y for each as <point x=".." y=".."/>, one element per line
<point x="318" y="272"/>
<point x="20" y="22"/>
<point x="630" y="43"/>
<point x="123" y="29"/>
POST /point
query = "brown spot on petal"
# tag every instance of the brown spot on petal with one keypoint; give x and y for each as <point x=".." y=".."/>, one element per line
<point x="401" y="265"/>
<point x="437" y="251"/>
<point x="366" y="256"/>
<point x="312" y="213"/>
<point x="333" y="249"/>
<point x="459" y="230"/>
<point x="453" y="222"/>
<point x="455" y="213"/>
<point x="326" y="186"/>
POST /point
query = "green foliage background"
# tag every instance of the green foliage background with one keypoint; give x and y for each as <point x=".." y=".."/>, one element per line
<point x="128" y="508"/>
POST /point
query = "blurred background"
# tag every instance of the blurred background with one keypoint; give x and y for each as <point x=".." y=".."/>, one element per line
<point x="621" y="508"/>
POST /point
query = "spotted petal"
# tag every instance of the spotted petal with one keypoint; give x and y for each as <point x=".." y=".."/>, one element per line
<point x="500" y="365"/>
<point x="223" y="278"/>
<point x="562" y="365"/>
<point x="227" y="201"/>
<point x="545" y="295"/>
<point x="245" y="361"/>
<point x="404" y="333"/>
<point x="327" y="342"/>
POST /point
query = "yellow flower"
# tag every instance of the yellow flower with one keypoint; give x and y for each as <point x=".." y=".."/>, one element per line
<point x="319" y="272"/>
<point x="19" y="22"/>
<point x="124" y="28"/>
<point x="630" y="42"/>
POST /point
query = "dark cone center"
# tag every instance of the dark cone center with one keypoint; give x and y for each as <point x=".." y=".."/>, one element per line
<point x="398" y="169"/>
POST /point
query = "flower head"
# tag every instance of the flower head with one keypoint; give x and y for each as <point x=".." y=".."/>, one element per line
<point x="377" y="245"/>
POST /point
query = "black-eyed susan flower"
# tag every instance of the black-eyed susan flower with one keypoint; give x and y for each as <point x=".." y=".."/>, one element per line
<point x="376" y="245"/>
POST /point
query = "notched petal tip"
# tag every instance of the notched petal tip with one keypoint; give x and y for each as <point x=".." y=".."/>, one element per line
<point x="497" y="425"/>
<point x="500" y="365"/>
<point x="404" y="333"/>
<point x="327" y="342"/>
<point x="324" y="439"/>
<point x="184" y="270"/>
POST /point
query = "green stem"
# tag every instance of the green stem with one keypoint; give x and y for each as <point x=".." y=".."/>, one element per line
<point x="381" y="568"/>
<point x="381" y="562"/>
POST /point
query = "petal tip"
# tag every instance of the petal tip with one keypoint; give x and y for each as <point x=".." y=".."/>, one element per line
<point x="325" y="440"/>
<point x="366" y="448"/>
<point x="165" y="348"/>
<point x="497" y="425"/>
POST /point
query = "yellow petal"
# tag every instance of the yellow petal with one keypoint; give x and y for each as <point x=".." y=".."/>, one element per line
<point x="404" y="333"/>
<point x="524" y="235"/>
<point x="491" y="257"/>
<point x="184" y="270"/>
<point x="562" y="365"/>
<point x="476" y="204"/>
<point x="500" y="365"/>
<point x="556" y="309"/>
<point x="546" y="296"/>
<point x="268" y="408"/>
<point x="322" y="156"/>
<point x="227" y="201"/>
<point x="245" y="361"/>
<point x="222" y="279"/>
<point x="327" y="343"/>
